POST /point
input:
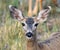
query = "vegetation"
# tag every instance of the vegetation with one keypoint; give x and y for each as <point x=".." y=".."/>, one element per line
<point x="11" y="32"/>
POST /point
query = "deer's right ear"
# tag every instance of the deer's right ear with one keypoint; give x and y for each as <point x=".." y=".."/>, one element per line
<point x="15" y="13"/>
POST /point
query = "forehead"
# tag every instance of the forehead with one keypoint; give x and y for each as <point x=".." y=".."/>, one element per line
<point x="30" y="21"/>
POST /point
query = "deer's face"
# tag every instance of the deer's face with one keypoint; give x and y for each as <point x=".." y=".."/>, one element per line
<point x="29" y="24"/>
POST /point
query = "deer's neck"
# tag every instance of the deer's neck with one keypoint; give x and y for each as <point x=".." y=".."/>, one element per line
<point x="31" y="44"/>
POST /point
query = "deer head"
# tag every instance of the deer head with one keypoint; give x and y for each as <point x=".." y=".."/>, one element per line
<point x="29" y="24"/>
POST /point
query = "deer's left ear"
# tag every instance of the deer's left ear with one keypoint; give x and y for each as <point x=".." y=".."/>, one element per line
<point x="15" y="13"/>
<point x="42" y="16"/>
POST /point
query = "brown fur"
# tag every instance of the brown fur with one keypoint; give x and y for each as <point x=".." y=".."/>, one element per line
<point x="52" y="43"/>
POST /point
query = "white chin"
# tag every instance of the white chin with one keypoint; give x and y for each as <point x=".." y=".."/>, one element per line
<point x="28" y="37"/>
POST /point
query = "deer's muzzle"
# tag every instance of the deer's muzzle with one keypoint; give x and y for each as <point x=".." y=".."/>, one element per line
<point x="29" y="34"/>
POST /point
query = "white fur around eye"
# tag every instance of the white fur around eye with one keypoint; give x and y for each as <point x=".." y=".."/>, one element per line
<point x="25" y="27"/>
<point x="34" y="27"/>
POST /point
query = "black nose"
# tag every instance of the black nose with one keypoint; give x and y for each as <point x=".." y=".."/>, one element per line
<point x="29" y="34"/>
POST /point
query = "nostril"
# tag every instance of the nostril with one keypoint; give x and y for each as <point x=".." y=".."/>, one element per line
<point x="29" y="34"/>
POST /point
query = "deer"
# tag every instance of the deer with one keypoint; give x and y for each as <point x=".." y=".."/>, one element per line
<point x="30" y="24"/>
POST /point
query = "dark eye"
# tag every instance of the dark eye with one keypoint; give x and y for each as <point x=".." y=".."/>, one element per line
<point x="23" y="24"/>
<point x="36" y="24"/>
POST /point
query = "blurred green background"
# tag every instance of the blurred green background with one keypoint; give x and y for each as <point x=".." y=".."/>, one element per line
<point x="11" y="32"/>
